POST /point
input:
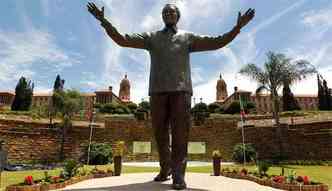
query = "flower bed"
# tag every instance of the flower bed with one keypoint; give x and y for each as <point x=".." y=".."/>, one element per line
<point x="275" y="183"/>
<point x="45" y="186"/>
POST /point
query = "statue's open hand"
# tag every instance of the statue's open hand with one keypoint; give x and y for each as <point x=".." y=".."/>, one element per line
<point x="95" y="11"/>
<point x="242" y="20"/>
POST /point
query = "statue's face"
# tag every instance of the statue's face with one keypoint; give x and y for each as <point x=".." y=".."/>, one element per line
<point x="170" y="15"/>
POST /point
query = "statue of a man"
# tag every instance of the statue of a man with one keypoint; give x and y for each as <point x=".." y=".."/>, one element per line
<point x="170" y="87"/>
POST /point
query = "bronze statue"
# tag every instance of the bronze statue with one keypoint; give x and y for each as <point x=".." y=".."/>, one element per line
<point x="170" y="87"/>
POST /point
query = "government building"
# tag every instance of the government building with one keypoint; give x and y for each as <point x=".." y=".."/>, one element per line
<point x="263" y="102"/>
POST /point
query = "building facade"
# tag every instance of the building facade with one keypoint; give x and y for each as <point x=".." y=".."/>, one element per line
<point x="6" y="99"/>
<point x="264" y="102"/>
<point x="106" y="96"/>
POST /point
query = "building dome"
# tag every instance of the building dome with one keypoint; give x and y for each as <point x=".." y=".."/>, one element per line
<point x="124" y="92"/>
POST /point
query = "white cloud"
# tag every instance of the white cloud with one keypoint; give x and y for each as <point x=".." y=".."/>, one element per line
<point x="316" y="18"/>
<point x="22" y="53"/>
<point x="267" y="22"/>
<point x="318" y="21"/>
<point x="319" y="56"/>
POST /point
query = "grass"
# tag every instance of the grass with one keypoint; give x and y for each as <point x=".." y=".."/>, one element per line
<point x="317" y="173"/>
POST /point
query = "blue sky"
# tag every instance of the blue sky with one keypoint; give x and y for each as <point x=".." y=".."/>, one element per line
<point x="40" y="39"/>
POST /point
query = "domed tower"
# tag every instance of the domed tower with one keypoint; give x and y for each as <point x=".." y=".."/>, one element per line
<point x="124" y="93"/>
<point x="221" y="90"/>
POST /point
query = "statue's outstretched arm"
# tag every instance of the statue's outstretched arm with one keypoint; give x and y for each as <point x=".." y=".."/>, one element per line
<point x="204" y="43"/>
<point x="133" y="41"/>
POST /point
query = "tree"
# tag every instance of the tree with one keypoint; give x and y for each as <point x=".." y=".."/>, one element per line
<point x="321" y="96"/>
<point x="58" y="83"/>
<point x="57" y="88"/>
<point x="327" y="94"/>
<point x="23" y="95"/>
<point x="145" y="105"/>
<point x="324" y="95"/>
<point x="289" y="103"/>
<point x="67" y="103"/>
<point x="277" y="70"/>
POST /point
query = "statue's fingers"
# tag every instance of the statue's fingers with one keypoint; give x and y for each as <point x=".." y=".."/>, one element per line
<point x="94" y="6"/>
<point x="90" y="5"/>
<point x="248" y="11"/>
<point x="252" y="12"/>
<point x="90" y="9"/>
<point x="238" y="18"/>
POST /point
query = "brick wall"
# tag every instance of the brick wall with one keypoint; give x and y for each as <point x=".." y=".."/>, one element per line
<point x="34" y="141"/>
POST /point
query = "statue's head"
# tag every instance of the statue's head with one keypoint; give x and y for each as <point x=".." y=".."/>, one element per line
<point x="171" y="14"/>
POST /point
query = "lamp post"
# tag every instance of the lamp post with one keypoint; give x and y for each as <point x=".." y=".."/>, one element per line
<point x="242" y="126"/>
<point x="90" y="137"/>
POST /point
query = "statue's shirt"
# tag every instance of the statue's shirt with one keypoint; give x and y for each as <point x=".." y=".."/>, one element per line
<point x="169" y="51"/>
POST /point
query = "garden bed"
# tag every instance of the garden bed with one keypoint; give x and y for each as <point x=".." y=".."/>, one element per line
<point x="45" y="186"/>
<point x="271" y="183"/>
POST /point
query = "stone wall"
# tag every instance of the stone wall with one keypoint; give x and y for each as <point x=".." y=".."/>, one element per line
<point x="35" y="141"/>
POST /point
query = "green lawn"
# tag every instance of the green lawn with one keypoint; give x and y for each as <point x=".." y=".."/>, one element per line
<point x="316" y="173"/>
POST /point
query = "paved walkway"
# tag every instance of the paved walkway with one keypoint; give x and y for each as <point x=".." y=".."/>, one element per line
<point x="143" y="182"/>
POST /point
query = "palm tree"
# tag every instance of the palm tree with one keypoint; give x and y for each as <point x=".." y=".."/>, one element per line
<point x="278" y="70"/>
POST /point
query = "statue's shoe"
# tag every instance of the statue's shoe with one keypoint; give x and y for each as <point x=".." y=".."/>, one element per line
<point x="179" y="185"/>
<point x="161" y="177"/>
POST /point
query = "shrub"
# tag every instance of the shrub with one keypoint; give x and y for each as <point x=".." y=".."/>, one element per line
<point x="100" y="154"/>
<point x="216" y="154"/>
<point x="144" y="105"/>
<point x="47" y="178"/>
<point x="277" y="158"/>
<point x="108" y="108"/>
<point x="132" y="107"/>
<point x="220" y="110"/>
<point x="121" y="109"/>
<point x="200" y="107"/>
<point x="263" y="167"/>
<point x="250" y="105"/>
<point x="236" y="108"/>
<point x="97" y="105"/>
<point x="70" y="168"/>
<point x="249" y="151"/>
<point x="212" y="107"/>
<point x="291" y="177"/>
<point x="233" y="108"/>
<point x="140" y="115"/>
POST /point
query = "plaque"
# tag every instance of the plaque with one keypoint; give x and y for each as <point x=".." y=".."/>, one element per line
<point x="141" y="147"/>
<point x="196" y="148"/>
